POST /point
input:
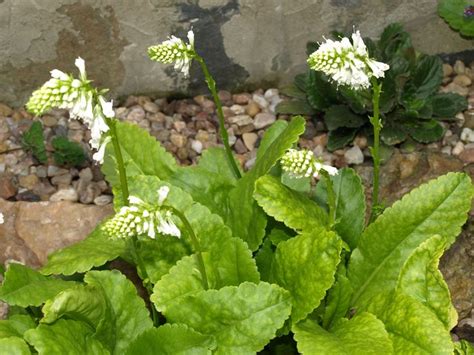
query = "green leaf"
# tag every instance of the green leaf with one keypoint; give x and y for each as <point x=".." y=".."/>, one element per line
<point x="463" y="347"/>
<point x="317" y="253"/>
<point x="129" y="312"/>
<point x="293" y="91"/>
<point x="338" y="298"/>
<point x="425" y="80"/>
<point x="302" y="185"/>
<point x="363" y="334"/>
<point x="272" y="133"/>
<point x="246" y="219"/>
<point x="264" y="259"/>
<point x="321" y="94"/>
<point x="134" y="141"/>
<point x="341" y="137"/>
<point x="15" y="326"/>
<point x="425" y="131"/>
<point x="26" y="287"/>
<point x="290" y="207"/>
<point x="242" y="319"/>
<point x="67" y="153"/>
<point x="438" y="207"/>
<point x="175" y="339"/>
<point x="350" y="204"/>
<point x="447" y="105"/>
<point x="65" y="337"/>
<point x="295" y="107"/>
<point x="338" y="116"/>
<point x="14" y="346"/>
<point x="421" y="279"/>
<point x="91" y="252"/>
<point x="392" y="133"/>
<point x="393" y="42"/>
<point x="413" y="328"/>
<point x="33" y="140"/>
<point x="452" y="11"/>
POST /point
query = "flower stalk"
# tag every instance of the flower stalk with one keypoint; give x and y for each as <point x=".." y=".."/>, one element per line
<point x="375" y="149"/>
<point x="119" y="159"/>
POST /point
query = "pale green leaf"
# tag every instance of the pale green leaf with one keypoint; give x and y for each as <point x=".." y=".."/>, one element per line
<point x="246" y="219"/>
<point x="338" y="299"/>
<point x="65" y="337"/>
<point x="413" y="328"/>
<point x="350" y="204"/>
<point x="142" y="153"/>
<point x="241" y="318"/>
<point x="270" y="135"/>
<point x="438" y="207"/>
<point x="290" y="207"/>
<point x="91" y="252"/>
<point x="305" y="266"/>
<point x="363" y="334"/>
<point x="172" y="339"/>
<point x="463" y="347"/>
<point x="421" y="279"/>
<point x="26" y="287"/>
<point x="14" y="346"/>
<point x="15" y="326"/>
<point x="129" y="312"/>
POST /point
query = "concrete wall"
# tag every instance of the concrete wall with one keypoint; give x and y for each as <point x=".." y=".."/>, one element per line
<point x="245" y="42"/>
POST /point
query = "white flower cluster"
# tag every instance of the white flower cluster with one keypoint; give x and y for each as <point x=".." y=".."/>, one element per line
<point x="347" y="63"/>
<point x="2" y="218"/>
<point x="82" y="101"/>
<point x="302" y="163"/>
<point x="175" y="50"/>
<point x="141" y="218"/>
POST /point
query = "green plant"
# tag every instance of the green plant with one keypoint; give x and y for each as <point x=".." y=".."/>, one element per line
<point x="33" y="141"/>
<point x="238" y="265"/>
<point x="458" y="14"/>
<point x="410" y="105"/>
<point x="67" y="153"/>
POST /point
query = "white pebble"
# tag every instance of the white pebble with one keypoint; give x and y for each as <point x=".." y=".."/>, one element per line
<point x="458" y="148"/>
<point x="354" y="155"/>
<point x="467" y="135"/>
<point x="196" y="146"/>
<point x="65" y="195"/>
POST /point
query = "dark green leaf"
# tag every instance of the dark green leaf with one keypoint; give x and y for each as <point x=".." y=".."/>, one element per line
<point x="67" y="153"/>
<point x="425" y="131"/>
<point x="340" y="137"/>
<point x="341" y="116"/>
<point x="394" y="41"/>
<point x="293" y="91"/>
<point x="321" y="94"/>
<point x="33" y="140"/>
<point x="425" y="80"/>
<point x="447" y="105"/>
<point x="338" y="299"/>
<point x="295" y="107"/>
<point x="392" y="133"/>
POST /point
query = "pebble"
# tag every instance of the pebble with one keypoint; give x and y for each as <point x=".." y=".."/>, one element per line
<point x="49" y="121"/>
<point x="354" y="156"/>
<point x="7" y="187"/>
<point x="241" y="120"/>
<point x="453" y="87"/>
<point x="240" y="147"/>
<point x="151" y="107"/>
<point x="103" y="200"/>
<point x="5" y="111"/>
<point x="62" y="180"/>
<point x="68" y="194"/>
<point x="238" y="109"/>
<point x="447" y="70"/>
<point x="136" y="114"/>
<point x="467" y="156"/>
<point x="458" y="148"/>
<point x="462" y="80"/>
<point x="249" y="140"/>
<point x="263" y="120"/>
<point x="241" y="99"/>
<point x="467" y="135"/>
<point x="178" y="140"/>
<point x="459" y="67"/>
<point x="197" y="146"/>
<point x="88" y="195"/>
<point x="28" y="181"/>
<point x="252" y="108"/>
<point x="55" y="170"/>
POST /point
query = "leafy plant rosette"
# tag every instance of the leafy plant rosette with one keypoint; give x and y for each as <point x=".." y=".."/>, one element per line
<point x="239" y="265"/>
<point x="410" y="104"/>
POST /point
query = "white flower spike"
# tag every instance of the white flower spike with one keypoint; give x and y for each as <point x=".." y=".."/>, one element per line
<point x="175" y="50"/>
<point x="347" y="63"/>
<point x="2" y="218"/>
<point x="302" y="163"/>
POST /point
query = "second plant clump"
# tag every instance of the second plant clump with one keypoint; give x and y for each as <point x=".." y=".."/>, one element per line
<point x="235" y="263"/>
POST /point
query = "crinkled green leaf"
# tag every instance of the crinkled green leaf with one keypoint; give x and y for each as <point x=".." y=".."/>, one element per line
<point x="338" y="299"/>
<point x="425" y="131"/>
<point x="293" y="91"/>
<point x="425" y="79"/>
<point x="241" y="318"/>
<point x="413" y="328"/>
<point x="452" y="11"/>
<point x="65" y="337"/>
<point x="394" y="41"/>
<point x="340" y="137"/>
<point x="463" y="347"/>
<point x="438" y="207"/>
<point x="421" y="279"/>
<point x="363" y="334"/>
<point x="338" y="116"/>
<point x="350" y="204"/>
<point x="295" y="107"/>
<point x="91" y="252"/>
<point x="290" y="207"/>
<point x="246" y="219"/>
<point x="320" y="93"/>
<point x="172" y="339"/>
<point x="317" y="253"/>
<point x="14" y="346"/>
<point x="130" y="315"/>
<point x="447" y="105"/>
<point x="15" y="326"/>
<point x="26" y="287"/>
<point x="142" y="153"/>
<point x="392" y="133"/>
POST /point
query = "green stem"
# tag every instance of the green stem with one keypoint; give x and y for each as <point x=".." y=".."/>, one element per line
<point x="196" y="244"/>
<point x="119" y="159"/>
<point x="331" y="198"/>
<point x="375" y="150"/>
<point x="211" y="84"/>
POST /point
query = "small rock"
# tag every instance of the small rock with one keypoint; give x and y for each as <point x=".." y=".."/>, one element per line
<point x="263" y="120"/>
<point x="74" y="124"/>
<point x="202" y="136"/>
<point x="28" y="182"/>
<point x="453" y="87"/>
<point x="467" y="156"/>
<point x="225" y="96"/>
<point x="446" y="150"/>
<point x="151" y="107"/>
<point x="179" y="126"/>
<point x="89" y="194"/>
<point x="196" y="146"/>
<point x="459" y="67"/>
<point x="270" y="94"/>
<point x="11" y="159"/>
<point x="238" y="109"/>
<point x="86" y="175"/>
<point x="462" y="80"/>
<point x="103" y="200"/>
<point x="241" y="120"/>
<point x="467" y="135"/>
<point x="458" y="148"/>
<point x="28" y="196"/>
<point x="5" y="111"/>
<point x="260" y="101"/>
<point x="65" y="195"/>
<point x="249" y="140"/>
<point x="62" y="180"/>
<point x="447" y="70"/>
<point x="178" y="140"/>
<point x="136" y="114"/>
<point x="49" y="121"/>
<point x="7" y="187"/>
<point x="252" y="108"/>
<point x="354" y="156"/>
<point x="54" y="171"/>
<point x="75" y="135"/>
<point x="250" y="163"/>
<point x="239" y="147"/>
<point x="361" y="142"/>
<point x="241" y="99"/>
<point x="469" y="119"/>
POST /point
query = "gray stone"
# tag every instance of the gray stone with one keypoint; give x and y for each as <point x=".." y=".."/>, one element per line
<point x="241" y="120"/>
<point x="249" y="140"/>
<point x="263" y="120"/>
<point x="354" y="156"/>
<point x="103" y="200"/>
<point x="68" y="194"/>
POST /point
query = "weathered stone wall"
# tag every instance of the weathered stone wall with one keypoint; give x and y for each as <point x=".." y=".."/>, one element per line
<point x="245" y="41"/>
